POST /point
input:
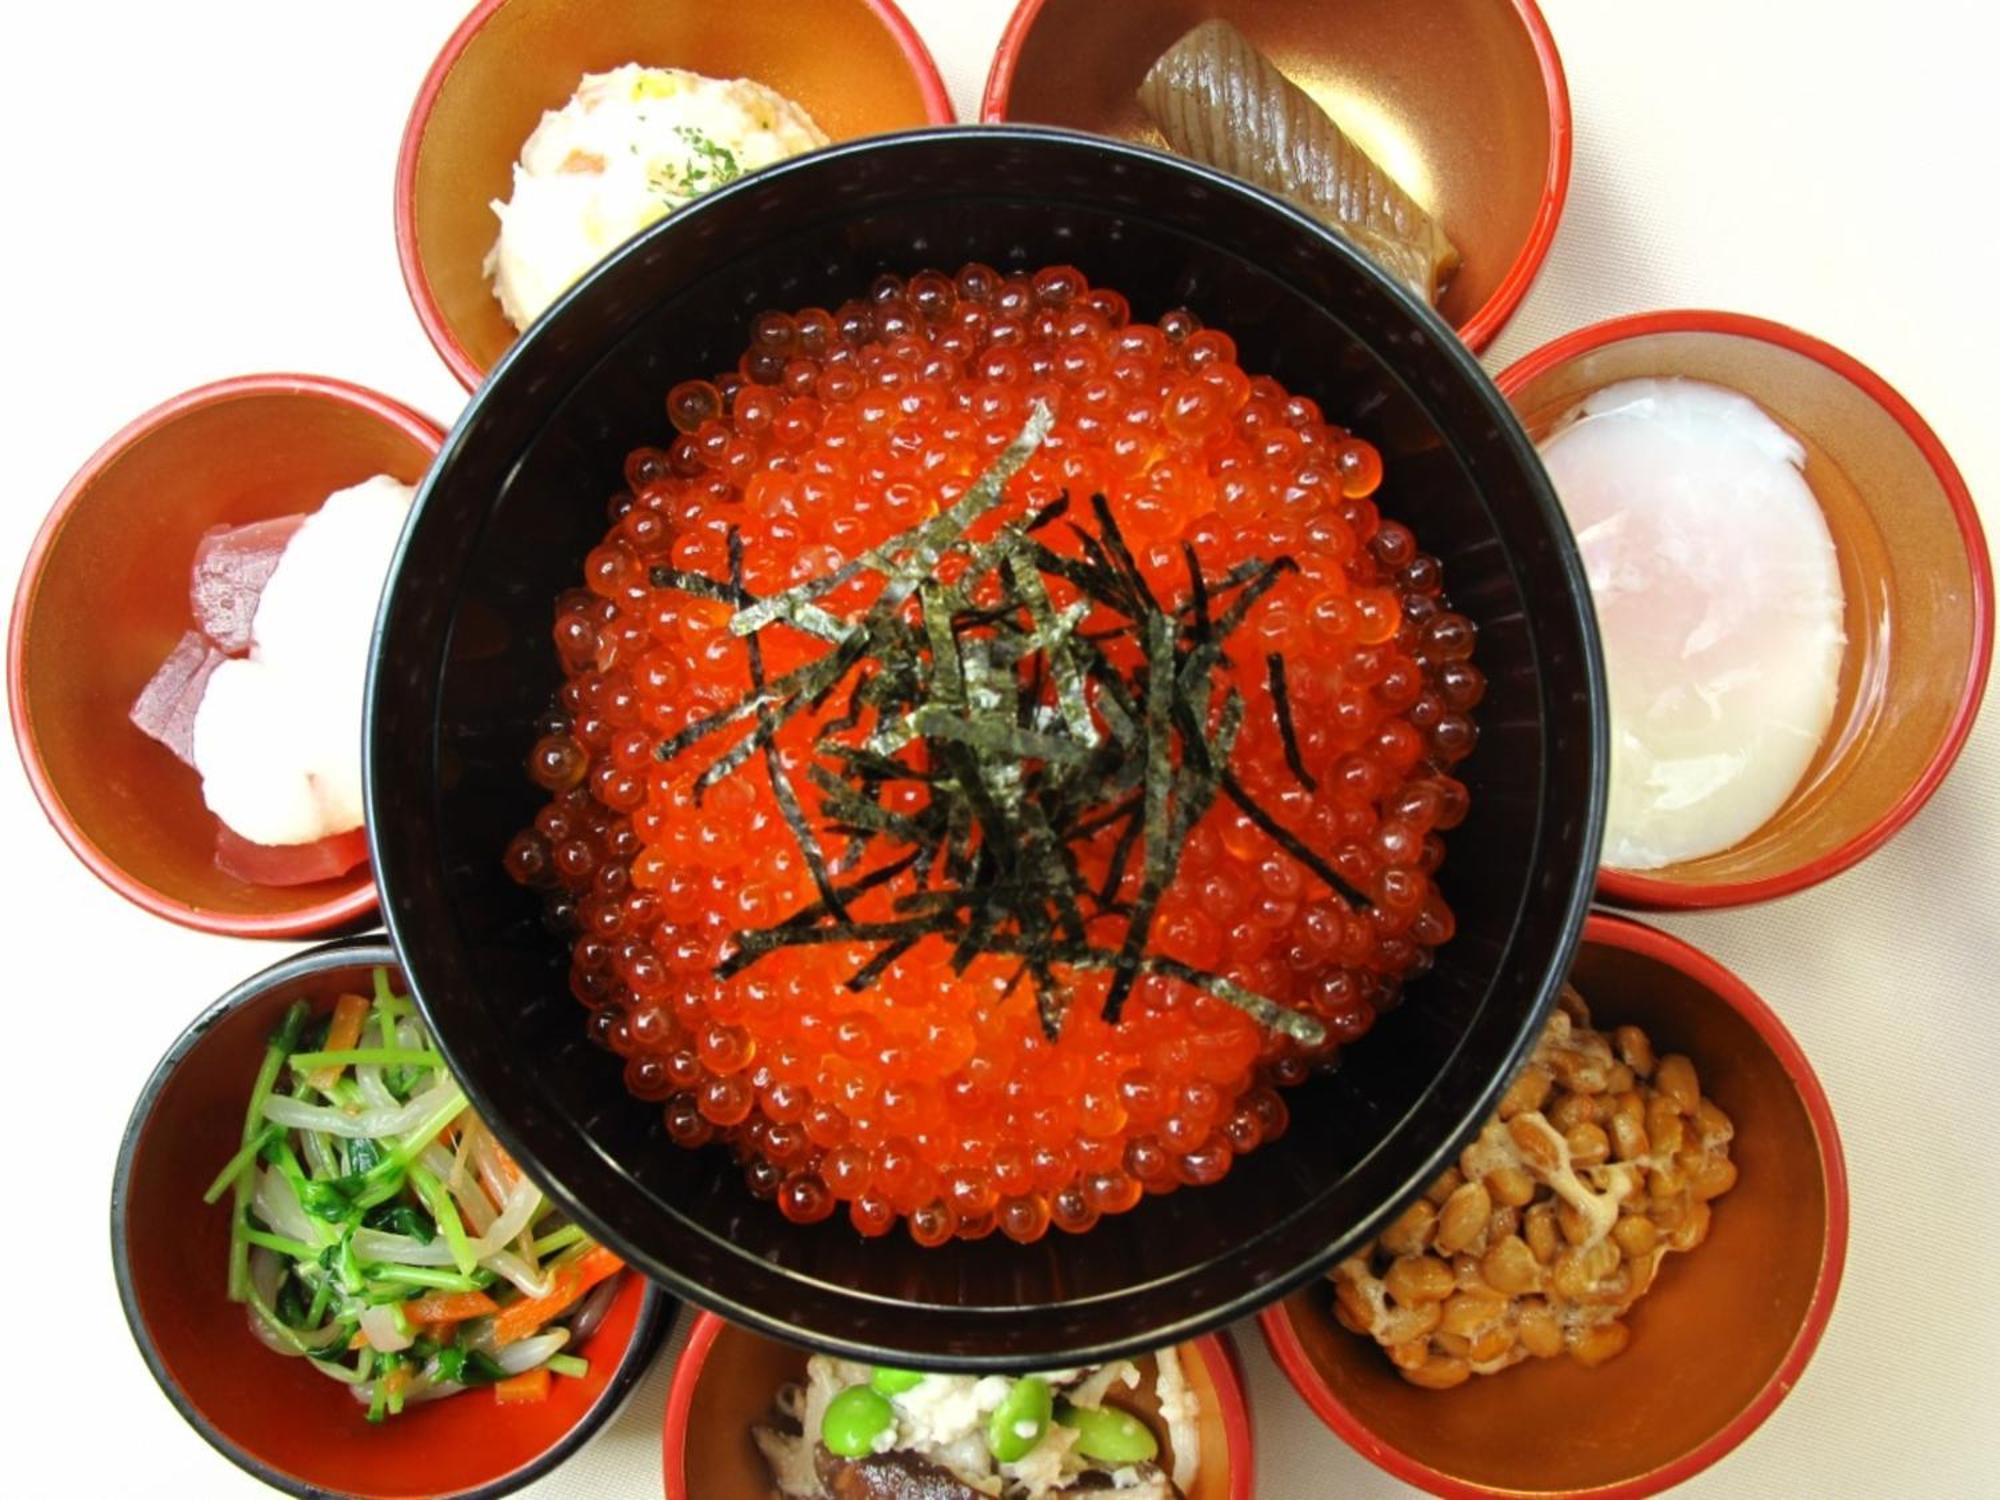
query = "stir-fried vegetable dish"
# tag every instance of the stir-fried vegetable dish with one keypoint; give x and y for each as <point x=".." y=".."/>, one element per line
<point x="380" y="1230"/>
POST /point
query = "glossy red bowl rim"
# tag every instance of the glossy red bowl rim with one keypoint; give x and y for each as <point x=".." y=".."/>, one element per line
<point x="649" y="1327"/>
<point x="1481" y="328"/>
<point x="324" y="916"/>
<point x="1635" y="937"/>
<point x="930" y="84"/>
<point x="1218" y="1353"/>
<point x="1629" y="888"/>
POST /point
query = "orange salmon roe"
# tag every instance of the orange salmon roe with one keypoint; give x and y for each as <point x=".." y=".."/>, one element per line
<point x="933" y="1097"/>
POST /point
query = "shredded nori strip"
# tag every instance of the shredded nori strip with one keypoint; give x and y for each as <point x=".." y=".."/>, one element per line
<point x="1114" y="543"/>
<point x="1084" y="828"/>
<point x="1054" y="510"/>
<point x="786" y="694"/>
<point x="850" y="716"/>
<point x="926" y="542"/>
<point x="1281" y="705"/>
<point x="1197" y="600"/>
<point x="1052" y="632"/>
<point x="865" y="976"/>
<point x="1290" y="842"/>
<point x="861" y="885"/>
<point x="781" y="784"/>
<point x="1159" y="787"/>
<point x="1121" y="857"/>
<point x="1266" y="1011"/>
<point x="700" y="585"/>
<point x="1026" y="737"/>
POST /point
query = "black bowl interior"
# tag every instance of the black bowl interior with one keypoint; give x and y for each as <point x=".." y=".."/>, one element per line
<point x="465" y="665"/>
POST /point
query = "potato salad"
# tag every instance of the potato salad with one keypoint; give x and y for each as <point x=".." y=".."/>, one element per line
<point x="629" y="147"/>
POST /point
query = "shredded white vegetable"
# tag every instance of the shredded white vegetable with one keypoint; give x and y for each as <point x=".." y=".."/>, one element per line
<point x="267" y="1272"/>
<point x="278" y="1206"/>
<point x="461" y="1160"/>
<point x="319" y="1154"/>
<point x="519" y="1212"/>
<point x="494" y="1175"/>
<point x="506" y="1263"/>
<point x="365" y="1124"/>
<point x="1180" y="1409"/>
<point x="474" y="1208"/>
<point x="524" y="1354"/>
<point x="399" y="1249"/>
<point x="368" y="1078"/>
<point x="383" y="1331"/>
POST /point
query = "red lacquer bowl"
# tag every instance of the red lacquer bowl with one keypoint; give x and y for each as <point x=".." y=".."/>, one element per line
<point x="1720" y="1340"/>
<point x="1463" y="100"/>
<point x="292" y="1428"/>
<point x="1914" y="568"/>
<point x="857" y="66"/>
<point x="103" y="598"/>
<point x="727" y="1377"/>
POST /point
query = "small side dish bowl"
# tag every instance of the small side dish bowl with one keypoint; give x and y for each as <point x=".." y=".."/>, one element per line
<point x="1716" y="1345"/>
<point x="290" y="1427"/>
<point x="857" y="66"/>
<point x="727" y="1376"/>
<point x="1914" y="568"/>
<point x="103" y="598"/>
<point x="1463" y="101"/>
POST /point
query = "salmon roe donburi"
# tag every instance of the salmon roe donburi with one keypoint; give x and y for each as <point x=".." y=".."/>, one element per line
<point x="1001" y="745"/>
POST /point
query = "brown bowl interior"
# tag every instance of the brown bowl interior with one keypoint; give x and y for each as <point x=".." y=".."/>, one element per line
<point x="112" y="599"/>
<point x="834" y="57"/>
<point x="277" y="1410"/>
<point x="744" y="1370"/>
<point x="1707" y="1338"/>
<point x="1904" y="568"/>
<point x="1445" y="94"/>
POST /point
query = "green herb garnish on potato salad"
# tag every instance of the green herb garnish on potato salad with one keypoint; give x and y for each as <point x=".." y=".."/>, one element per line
<point x="379" y="1230"/>
<point x="708" y="165"/>
<point x="855" y="1429"/>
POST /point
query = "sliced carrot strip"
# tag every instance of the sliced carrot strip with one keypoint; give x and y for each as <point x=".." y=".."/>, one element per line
<point x="449" y="1307"/>
<point x="349" y="1012"/>
<point x="522" y="1318"/>
<point x="532" y="1386"/>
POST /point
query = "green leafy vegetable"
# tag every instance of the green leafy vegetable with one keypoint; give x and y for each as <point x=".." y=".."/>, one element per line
<point x="401" y="1218"/>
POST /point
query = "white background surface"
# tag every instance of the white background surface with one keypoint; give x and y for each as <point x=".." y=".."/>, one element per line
<point x="200" y="189"/>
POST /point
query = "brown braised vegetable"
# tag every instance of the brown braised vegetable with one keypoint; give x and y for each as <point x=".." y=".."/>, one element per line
<point x="890" y="1476"/>
<point x="1219" y="100"/>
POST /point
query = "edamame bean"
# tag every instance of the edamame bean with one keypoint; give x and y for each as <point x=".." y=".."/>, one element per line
<point x="1019" y="1421"/>
<point x="853" y="1420"/>
<point x="893" y="1382"/>
<point x="1109" y="1435"/>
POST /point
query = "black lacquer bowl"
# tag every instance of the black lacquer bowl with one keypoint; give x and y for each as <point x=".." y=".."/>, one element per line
<point x="465" y="665"/>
